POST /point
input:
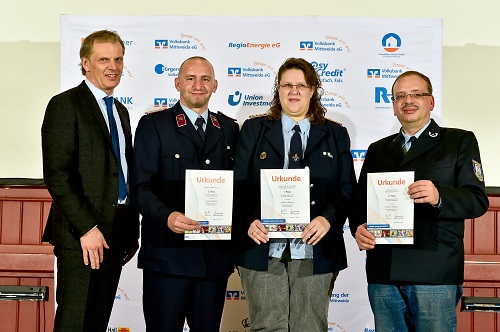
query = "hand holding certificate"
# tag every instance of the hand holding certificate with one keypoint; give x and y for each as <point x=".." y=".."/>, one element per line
<point x="390" y="209"/>
<point x="285" y="201"/>
<point x="209" y="199"/>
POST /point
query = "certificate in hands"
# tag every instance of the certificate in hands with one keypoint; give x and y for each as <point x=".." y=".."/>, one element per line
<point x="209" y="199"/>
<point x="390" y="208"/>
<point x="285" y="201"/>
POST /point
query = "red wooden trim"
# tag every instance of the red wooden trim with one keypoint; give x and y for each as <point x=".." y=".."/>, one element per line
<point x="25" y="258"/>
<point x="25" y="194"/>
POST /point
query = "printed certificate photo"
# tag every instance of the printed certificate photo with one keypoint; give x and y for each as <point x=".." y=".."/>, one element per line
<point x="209" y="199"/>
<point x="390" y="208"/>
<point x="285" y="201"/>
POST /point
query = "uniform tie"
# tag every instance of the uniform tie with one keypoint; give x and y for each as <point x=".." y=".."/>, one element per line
<point x="122" y="190"/>
<point x="199" y="123"/>
<point x="295" y="154"/>
<point x="407" y="145"/>
<point x="294" y="162"/>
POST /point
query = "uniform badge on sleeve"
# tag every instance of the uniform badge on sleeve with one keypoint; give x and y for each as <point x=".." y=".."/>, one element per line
<point x="478" y="170"/>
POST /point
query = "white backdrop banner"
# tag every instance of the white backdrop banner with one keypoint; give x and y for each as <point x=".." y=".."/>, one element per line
<point x="356" y="58"/>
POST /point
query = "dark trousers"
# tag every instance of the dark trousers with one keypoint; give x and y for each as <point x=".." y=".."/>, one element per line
<point x="169" y="300"/>
<point x="85" y="297"/>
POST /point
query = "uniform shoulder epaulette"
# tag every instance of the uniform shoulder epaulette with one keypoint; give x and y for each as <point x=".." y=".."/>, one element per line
<point x="224" y="115"/>
<point x="340" y="124"/>
<point x="254" y="116"/>
<point x="156" y="110"/>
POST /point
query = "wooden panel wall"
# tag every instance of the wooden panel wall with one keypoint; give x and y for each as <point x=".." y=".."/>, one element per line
<point x="482" y="268"/>
<point x="24" y="260"/>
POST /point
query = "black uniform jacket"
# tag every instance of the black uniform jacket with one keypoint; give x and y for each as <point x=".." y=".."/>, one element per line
<point x="166" y="145"/>
<point x="329" y="159"/>
<point x="450" y="159"/>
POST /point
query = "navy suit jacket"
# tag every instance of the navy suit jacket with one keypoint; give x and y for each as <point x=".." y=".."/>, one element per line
<point x="166" y="144"/>
<point x="329" y="159"/>
<point x="450" y="159"/>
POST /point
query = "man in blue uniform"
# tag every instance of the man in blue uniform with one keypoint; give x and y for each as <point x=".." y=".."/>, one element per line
<point x="182" y="279"/>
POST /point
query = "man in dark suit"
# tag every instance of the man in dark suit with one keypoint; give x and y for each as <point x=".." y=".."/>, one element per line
<point x="182" y="279"/>
<point x="86" y="169"/>
<point x="417" y="287"/>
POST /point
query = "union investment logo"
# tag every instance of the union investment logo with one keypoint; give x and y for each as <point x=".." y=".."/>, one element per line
<point x="391" y="42"/>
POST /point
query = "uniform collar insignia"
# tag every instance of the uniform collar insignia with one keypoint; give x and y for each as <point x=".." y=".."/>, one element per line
<point x="215" y="122"/>
<point x="433" y="134"/>
<point x="181" y="120"/>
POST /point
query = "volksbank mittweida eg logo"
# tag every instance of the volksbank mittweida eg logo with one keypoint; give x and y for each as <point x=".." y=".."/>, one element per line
<point x="160" y="102"/>
<point x="391" y="42"/>
<point x="235" y="295"/>
<point x="333" y="99"/>
<point x="306" y="45"/>
<point x="164" y="102"/>
<point x="183" y="44"/>
<point x="320" y="46"/>
<point x="234" y="71"/>
<point x="161" y="44"/>
<point x="383" y="73"/>
<point x="247" y="72"/>
<point x="373" y="73"/>
<point x="248" y="100"/>
<point x="358" y="155"/>
<point x="171" y="71"/>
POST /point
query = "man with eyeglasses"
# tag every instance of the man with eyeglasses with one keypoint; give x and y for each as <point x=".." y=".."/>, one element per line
<point x="417" y="287"/>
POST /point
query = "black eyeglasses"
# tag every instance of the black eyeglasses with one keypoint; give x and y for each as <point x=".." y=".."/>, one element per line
<point x="415" y="96"/>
